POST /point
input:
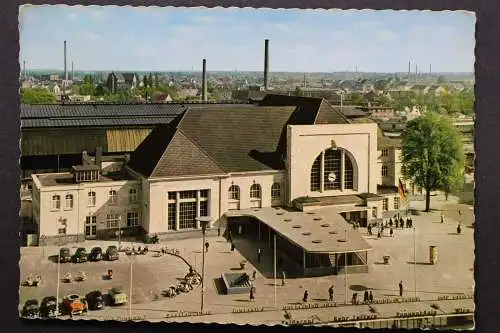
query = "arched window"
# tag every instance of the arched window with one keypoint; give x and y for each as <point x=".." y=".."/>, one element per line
<point x="69" y="201"/>
<point x="276" y="191"/>
<point x="333" y="169"/>
<point x="255" y="191"/>
<point x="56" y="202"/>
<point x="91" y="198"/>
<point x="384" y="171"/>
<point x="234" y="192"/>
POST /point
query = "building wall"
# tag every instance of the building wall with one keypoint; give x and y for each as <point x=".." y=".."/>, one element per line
<point x="306" y="142"/>
<point x="392" y="160"/>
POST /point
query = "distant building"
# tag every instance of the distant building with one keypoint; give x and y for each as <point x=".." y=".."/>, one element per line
<point x="121" y="81"/>
<point x="162" y="98"/>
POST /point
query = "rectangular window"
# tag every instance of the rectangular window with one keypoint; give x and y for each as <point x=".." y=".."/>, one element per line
<point x="133" y="195"/>
<point x="91" y="198"/>
<point x="188" y="195"/>
<point x="171" y="216"/>
<point x="112" y="220"/>
<point x="132" y="219"/>
<point x="187" y="215"/>
<point x="396" y="202"/>
<point x="172" y="195"/>
<point x="56" y="202"/>
<point x="203" y="208"/>
<point x="374" y="212"/>
<point x="385" y="152"/>
<point x="69" y="201"/>
<point x="385" y="205"/>
<point x="113" y="197"/>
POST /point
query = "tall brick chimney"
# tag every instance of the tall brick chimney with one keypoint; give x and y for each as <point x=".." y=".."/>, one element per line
<point x="266" y="64"/>
<point x="204" y="82"/>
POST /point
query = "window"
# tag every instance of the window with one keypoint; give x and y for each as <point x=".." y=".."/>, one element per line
<point x="255" y="191"/>
<point x="91" y="198"/>
<point x="172" y="195"/>
<point x="276" y="191"/>
<point x="113" y="197"/>
<point x="188" y="195"/>
<point x="234" y="192"/>
<point x="187" y="215"/>
<point x="69" y="201"/>
<point x="385" y="205"/>
<point x="396" y="202"/>
<point x="385" y="152"/>
<point x="171" y="216"/>
<point x="132" y="219"/>
<point x="132" y="195"/>
<point x="112" y="220"/>
<point x="203" y="208"/>
<point x="61" y="231"/>
<point x="385" y="171"/>
<point x="374" y="212"/>
<point x="56" y="202"/>
<point x="333" y="169"/>
<point x="204" y="194"/>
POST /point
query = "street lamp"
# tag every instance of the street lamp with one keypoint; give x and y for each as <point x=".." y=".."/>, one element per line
<point x="204" y="221"/>
<point x="119" y="232"/>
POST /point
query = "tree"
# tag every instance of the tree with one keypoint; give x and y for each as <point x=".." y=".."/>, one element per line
<point x="298" y="92"/>
<point x="157" y="81"/>
<point x="150" y="80"/>
<point x="145" y="81"/>
<point x="88" y="79"/>
<point x="432" y="153"/>
<point x="37" y="96"/>
<point x="86" y="89"/>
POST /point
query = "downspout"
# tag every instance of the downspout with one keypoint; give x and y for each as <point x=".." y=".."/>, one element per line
<point x="220" y="200"/>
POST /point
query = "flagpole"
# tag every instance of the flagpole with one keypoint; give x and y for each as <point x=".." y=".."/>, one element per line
<point x="345" y="266"/>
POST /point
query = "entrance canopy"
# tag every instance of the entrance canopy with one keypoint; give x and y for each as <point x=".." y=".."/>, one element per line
<point x="322" y="230"/>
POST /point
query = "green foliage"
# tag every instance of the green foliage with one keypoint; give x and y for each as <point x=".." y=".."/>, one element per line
<point x="88" y="79"/>
<point x="432" y="153"/>
<point x="355" y="98"/>
<point x="448" y="103"/>
<point x="86" y="89"/>
<point x="298" y="92"/>
<point x="37" y="96"/>
<point x="150" y="80"/>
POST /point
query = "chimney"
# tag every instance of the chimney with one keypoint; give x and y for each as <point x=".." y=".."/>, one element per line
<point x="204" y="82"/>
<point x="65" y="63"/>
<point x="24" y="68"/>
<point x="98" y="157"/>
<point x="72" y="71"/>
<point x="266" y="64"/>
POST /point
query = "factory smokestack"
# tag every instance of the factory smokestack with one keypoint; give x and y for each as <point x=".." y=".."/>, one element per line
<point x="24" y="68"/>
<point x="72" y="71"/>
<point x="266" y="64"/>
<point x="204" y="82"/>
<point x="409" y="68"/>
<point x="65" y="63"/>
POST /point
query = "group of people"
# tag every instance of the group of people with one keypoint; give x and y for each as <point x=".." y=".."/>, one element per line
<point x="367" y="298"/>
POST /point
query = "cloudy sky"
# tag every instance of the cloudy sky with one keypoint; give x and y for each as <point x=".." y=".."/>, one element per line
<point x="162" y="39"/>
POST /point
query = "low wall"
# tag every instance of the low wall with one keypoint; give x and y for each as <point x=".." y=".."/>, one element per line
<point x="227" y="278"/>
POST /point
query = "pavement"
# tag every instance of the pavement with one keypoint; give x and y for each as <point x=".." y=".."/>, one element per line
<point x="451" y="275"/>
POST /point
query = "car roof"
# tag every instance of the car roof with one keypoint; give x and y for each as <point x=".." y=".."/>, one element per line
<point x="117" y="289"/>
<point x="49" y="298"/>
<point x="73" y="296"/>
<point x="81" y="248"/>
<point x="32" y="301"/>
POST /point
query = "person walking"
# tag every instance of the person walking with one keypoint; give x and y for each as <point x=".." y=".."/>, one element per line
<point x="206" y="246"/>
<point x="442" y="218"/>
<point x="400" y="288"/>
<point x="370" y="297"/>
<point x="218" y="231"/>
<point x="254" y="275"/>
<point x="283" y="278"/>
<point x="306" y="296"/>
<point x="259" y="254"/>
<point x="354" y="299"/>
<point x="229" y="236"/>
<point x="252" y="294"/>
<point x="330" y="293"/>
<point x="391" y="232"/>
<point x="459" y="229"/>
<point x="366" y="297"/>
<point x="390" y="222"/>
<point x="232" y="246"/>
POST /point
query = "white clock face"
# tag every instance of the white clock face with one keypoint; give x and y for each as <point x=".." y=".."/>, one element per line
<point x="331" y="177"/>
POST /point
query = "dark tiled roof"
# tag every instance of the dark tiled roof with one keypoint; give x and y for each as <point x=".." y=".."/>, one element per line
<point x="382" y="140"/>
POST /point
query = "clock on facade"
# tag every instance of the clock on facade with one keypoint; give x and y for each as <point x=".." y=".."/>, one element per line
<point x="331" y="177"/>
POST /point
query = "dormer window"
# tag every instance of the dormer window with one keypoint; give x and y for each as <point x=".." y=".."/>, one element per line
<point x="86" y="173"/>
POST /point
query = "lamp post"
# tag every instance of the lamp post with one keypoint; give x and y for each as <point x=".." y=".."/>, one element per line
<point x="415" y="261"/>
<point x="204" y="221"/>
<point x="345" y="266"/>
<point x="119" y="232"/>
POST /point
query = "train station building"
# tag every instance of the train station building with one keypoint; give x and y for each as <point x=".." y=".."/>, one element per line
<point x="236" y="164"/>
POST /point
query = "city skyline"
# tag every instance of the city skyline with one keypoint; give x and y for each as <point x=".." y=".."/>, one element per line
<point x="175" y="39"/>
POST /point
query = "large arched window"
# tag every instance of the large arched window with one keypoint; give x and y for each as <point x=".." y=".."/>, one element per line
<point x="234" y="192"/>
<point x="333" y="169"/>
<point x="255" y="191"/>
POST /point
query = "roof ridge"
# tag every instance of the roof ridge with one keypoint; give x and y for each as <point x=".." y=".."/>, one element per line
<point x="335" y="110"/>
<point x="201" y="149"/>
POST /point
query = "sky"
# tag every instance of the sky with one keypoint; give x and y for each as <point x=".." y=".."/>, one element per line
<point x="177" y="39"/>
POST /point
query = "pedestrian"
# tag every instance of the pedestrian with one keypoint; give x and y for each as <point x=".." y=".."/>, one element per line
<point x="369" y="229"/>
<point x="459" y="229"/>
<point x="365" y="297"/>
<point x="232" y="246"/>
<point x="391" y="232"/>
<point x="379" y="235"/>
<point x="370" y="297"/>
<point x="229" y="236"/>
<point x="330" y="293"/>
<point x="240" y="230"/>
<point x="283" y="278"/>
<point x="306" y="296"/>
<point x="252" y="294"/>
<point x="400" y="288"/>
<point x="390" y="222"/>
<point x="254" y="275"/>
<point x="218" y="231"/>
<point x="206" y="246"/>
<point x="354" y="300"/>
<point x="259" y="253"/>
<point x="402" y="223"/>
<point x="442" y="218"/>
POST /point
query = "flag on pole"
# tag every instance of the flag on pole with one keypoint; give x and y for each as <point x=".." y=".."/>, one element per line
<point x="402" y="192"/>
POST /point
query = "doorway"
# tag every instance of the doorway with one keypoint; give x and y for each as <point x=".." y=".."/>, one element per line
<point x="90" y="227"/>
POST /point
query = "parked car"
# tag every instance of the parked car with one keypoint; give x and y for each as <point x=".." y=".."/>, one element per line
<point x="74" y="305"/>
<point x="48" y="308"/>
<point x="80" y="255"/>
<point x="95" y="300"/>
<point x="117" y="296"/>
<point x="64" y="255"/>
<point x="31" y="309"/>
<point x="112" y="253"/>
<point x="95" y="254"/>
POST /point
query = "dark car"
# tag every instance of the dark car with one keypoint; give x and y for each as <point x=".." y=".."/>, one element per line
<point x="95" y="300"/>
<point x="112" y="253"/>
<point x="80" y="255"/>
<point x="64" y="255"/>
<point x="48" y="308"/>
<point x="31" y="309"/>
<point x="95" y="254"/>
